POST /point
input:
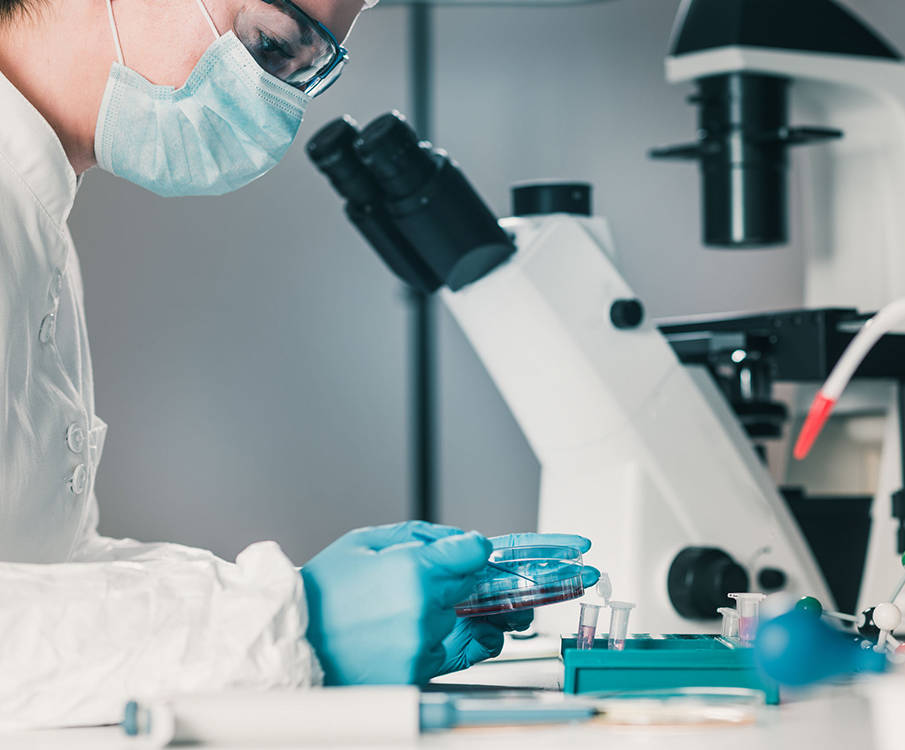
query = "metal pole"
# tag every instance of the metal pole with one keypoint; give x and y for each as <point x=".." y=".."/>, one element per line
<point x="422" y="339"/>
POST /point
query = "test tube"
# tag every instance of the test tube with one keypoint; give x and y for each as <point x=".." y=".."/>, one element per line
<point x="618" y="624"/>
<point x="730" y="622"/>
<point x="587" y="625"/>
<point x="748" y="606"/>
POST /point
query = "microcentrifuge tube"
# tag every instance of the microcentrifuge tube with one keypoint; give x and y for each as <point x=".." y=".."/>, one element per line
<point x="730" y="622"/>
<point x="748" y="607"/>
<point x="618" y="624"/>
<point x="587" y="625"/>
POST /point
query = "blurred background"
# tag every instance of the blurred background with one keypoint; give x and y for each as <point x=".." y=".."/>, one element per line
<point x="252" y="354"/>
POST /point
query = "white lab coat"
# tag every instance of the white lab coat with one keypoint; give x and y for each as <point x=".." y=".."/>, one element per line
<point x="87" y="622"/>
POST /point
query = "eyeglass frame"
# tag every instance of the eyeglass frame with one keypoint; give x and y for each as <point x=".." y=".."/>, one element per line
<point x="329" y="73"/>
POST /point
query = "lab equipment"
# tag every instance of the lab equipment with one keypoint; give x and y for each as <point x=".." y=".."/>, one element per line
<point x="657" y="436"/>
<point x="525" y="578"/>
<point x="748" y="606"/>
<point x="474" y="639"/>
<point x="229" y="124"/>
<point x="797" y="648"/>
<point x="838" y="76"/>
<point x="587" y="625"/>
<point x="729" y="626"/>
<point x="619" y="614"/>
<point x="398" y="191"/>
<point x="877" y="624"/>
<point x="398" y="637"/>
<point x="831" y="391"/>
<point x="661" y="662"/>
<point x="604" y="588"/>
<point x="387" y="716"/>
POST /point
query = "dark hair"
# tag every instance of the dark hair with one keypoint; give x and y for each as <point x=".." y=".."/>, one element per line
<point x="9" y="9"/>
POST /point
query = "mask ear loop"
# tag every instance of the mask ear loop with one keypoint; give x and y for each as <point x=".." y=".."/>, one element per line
<point x="119" y="49"/>
<point x="207" y="15"/>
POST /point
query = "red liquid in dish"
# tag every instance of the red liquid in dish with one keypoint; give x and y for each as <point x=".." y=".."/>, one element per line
<point x="526" y="598"/>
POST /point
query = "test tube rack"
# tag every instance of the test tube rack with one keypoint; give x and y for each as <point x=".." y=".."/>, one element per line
<point x="663" y="662"/>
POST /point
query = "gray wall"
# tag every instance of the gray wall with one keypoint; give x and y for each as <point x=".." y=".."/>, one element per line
<point x="250" y="350"/>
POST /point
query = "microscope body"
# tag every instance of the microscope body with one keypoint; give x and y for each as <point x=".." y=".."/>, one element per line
<point x="847" y="197"/>
<point x="637" y="451"/>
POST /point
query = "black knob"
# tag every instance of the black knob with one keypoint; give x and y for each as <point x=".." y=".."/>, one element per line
<point x="540" y="198"/>
<point x="771" y="579"/>
<point x="627" y="313"/>
<point x="700" y="580"/>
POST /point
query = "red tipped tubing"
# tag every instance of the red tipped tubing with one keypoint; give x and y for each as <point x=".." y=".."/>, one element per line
<point x="817" y="416"/>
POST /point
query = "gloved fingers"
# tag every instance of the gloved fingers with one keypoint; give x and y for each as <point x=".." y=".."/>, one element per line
<point x="518" y="620"/>
<point x="445" y="591"/>
<point x="472" y="640"/>
<point x="430" y="664"/>
<point x="485" y="642"/>
<point x="589" y="576"/>
<point x="532" y="539"/>
<point x="458" y="554"/>
<point x="380" y="537"/>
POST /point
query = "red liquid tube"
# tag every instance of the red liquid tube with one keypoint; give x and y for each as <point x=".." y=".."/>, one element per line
<point x="587" y="625"/>
<point x="748" y="606"/>
<point x="619" y="612"/>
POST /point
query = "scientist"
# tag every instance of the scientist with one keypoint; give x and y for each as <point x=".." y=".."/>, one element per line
<point x="182" y="97"/>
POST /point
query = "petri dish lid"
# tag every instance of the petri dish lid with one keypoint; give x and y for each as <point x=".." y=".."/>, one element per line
<point x="525" y="577"/>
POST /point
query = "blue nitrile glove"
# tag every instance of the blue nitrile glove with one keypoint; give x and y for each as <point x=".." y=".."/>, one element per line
<point x="380" y="600"/>
<point x="474" y="639"/>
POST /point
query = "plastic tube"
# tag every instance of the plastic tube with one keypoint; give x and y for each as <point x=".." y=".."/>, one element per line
<point x="618" y="624"/>
<point x="730" y="622"/>
<point x="587" y="625"/>
<point x="871" y="332"/>
<point x="748" y="606"/>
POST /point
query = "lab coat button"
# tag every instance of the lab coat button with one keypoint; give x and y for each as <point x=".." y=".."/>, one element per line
<point x="48" y="328"/>
<point x="78" y="482"/>
<point x="56" y="286"/>
<point x="75" y="438"/>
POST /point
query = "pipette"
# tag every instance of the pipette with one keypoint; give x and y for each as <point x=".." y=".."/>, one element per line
<point x="587" y="625"/>
<point x="619" y="612"/>
<point x="748" y="606"/>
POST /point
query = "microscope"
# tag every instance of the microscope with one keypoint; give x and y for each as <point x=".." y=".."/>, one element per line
<point x="650" y="438"/>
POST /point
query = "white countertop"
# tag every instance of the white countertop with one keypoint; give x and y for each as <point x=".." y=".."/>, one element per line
<point x="835" y="717"/>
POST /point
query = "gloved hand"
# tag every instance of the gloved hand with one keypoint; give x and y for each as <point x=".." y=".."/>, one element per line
<point x="380" y="600"/>
<point x="474" y="639"/>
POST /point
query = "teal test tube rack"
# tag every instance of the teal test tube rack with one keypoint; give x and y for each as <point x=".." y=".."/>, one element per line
<point x="663" y="662"/>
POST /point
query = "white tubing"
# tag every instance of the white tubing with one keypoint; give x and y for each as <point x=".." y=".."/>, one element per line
<point x="872" y="331"/>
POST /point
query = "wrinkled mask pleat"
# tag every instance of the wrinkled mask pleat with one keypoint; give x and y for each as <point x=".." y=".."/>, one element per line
<point x="227" y="125"/>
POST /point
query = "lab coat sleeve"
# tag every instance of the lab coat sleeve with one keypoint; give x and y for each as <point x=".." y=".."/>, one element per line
<point x="126" y="620"/>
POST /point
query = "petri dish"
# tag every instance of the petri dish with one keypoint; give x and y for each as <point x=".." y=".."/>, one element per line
<point x="524" y="577"/>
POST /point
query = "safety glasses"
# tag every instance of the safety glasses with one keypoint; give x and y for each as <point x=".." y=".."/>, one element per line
<point x="289" y="44"/>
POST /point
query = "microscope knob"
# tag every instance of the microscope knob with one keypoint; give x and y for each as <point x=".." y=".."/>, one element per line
<point x="771" y="579"/>
<point x="700" y="579"/>
<point x="626" y="313"/>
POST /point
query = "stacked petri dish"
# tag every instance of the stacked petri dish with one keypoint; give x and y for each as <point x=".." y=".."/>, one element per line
<point x="525" y="577"/>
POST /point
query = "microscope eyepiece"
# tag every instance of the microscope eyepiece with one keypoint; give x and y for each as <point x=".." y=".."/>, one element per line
<point x="332" y="149"/>
<point x="411" y="202"/>
<point x="391" y="151"/>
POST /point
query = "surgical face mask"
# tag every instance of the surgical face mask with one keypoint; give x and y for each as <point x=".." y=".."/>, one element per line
<point x="227" y="125"/>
